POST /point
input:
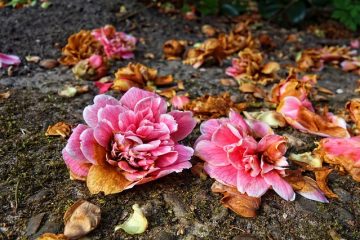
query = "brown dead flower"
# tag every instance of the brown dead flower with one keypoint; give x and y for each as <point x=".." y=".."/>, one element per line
<point x="241" y="204"/>
<point x="213" y="106"/>
<point x="80" y="46"/>
<point x="80" y="219"/>
<point x="353" y="107"/>
<point x="174" y="49"/>
<point x="138" y="75"/>
<point x="59" y="129"/>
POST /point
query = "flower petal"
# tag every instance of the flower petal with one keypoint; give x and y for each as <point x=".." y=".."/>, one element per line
<point x="186" y="123"/>
<point x="167" y="159"/>
<point x="225" y="174"/>
<point x="79" y="168"/>
<point x="92" y="151"/>
<point x="280" y="186"/>
<point x="103" y="133"/>
<point x="257" y="187"/>
<point x="73" y="145"/>
<point x="211" y="153"/>
<point x="133" y="96"/>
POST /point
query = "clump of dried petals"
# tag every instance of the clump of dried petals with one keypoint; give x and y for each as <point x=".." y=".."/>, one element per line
<point x="117" y="45"/>
<point x="353" y="107"/>
<point x="249" y="67"/>
<point x="138" y="75"/>
<point x="174" y="49"/>
<point x="128" y="142"/>
<point x="233" y="157"/>
<point x="92" y="68"/>
<point x="209" y="49"/>
<point x="213" y="106"/>
<point x="316" y="58"/>
<point x="80" y="46"/>
<point x="343" y="153"/>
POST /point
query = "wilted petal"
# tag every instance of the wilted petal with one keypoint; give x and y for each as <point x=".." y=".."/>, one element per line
<point x="7" y="60"/>
<point x="312" y="191"/>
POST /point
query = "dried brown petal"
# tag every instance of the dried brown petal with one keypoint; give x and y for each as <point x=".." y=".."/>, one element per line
<point x="52" y="236"/>
<point x="198" y="170"/>
<point x="321" y="176"/>
<point x="208" y="30"/>
<point x="81" y="218"/>
<point x="5" y="95"/>
<point x="174" y="49"/>
<point x="353" y="107"/>
<point x="59" y="129"/>
<point x="241" y="204"/>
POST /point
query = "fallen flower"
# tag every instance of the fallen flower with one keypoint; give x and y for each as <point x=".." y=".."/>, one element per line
<point x="138" y="75"/>
<point x="80" y="46"/>
<point x="136" y="223"/>
<point x="241" y="204"/>
<point x="213" y="106"/>
<point x="179" y="102"/>
<point x="353" y="107"/>
<point x="59" y="129"/>
<point x="174" y="49"/>
<point x="305" y="120"/>
<point x="91" y="69"/>
<point x="81" y="218"/>
<point x="233" y="157"/>
<point x="117" y="45"/>
<point x="343" y="153"/>
<point x="128" y="142"/>
<point x="8" y="60"/>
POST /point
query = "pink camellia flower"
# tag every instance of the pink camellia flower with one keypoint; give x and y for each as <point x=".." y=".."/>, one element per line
<point x="133" y="139"/>
<point x="342" y="152"/>
<point x="118" y="45"/>
<point x="7" y="60"/>
<point x="233" y="157"/>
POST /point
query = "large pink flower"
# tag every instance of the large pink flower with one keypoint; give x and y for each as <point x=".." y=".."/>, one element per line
<point x="133" y="135"/>
<point x="233" y="157"/>
<point x="7" y="60"/>
<point x="116" y="44"/>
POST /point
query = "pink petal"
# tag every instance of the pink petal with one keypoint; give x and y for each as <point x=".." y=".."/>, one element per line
<point x="211" y="153"/>
<point x="103" y="87"/>
<point x="133" y="96"/>
<point x="6" y="60"/>
<point x="179" y="102"/>
<point x="312" y="191"/>
<point x="92" y="151"/>
<point x="290" y="107"/>
<point x="167" y="159"/>
<point x="77" y="166"/>
<point x="123" y="165"/>
<point x="161" y="150"/>
<point x="90" y="113"/>
<point x="225" y="174"/>
<point x="257" y="187"/>
<point x="259" y="128"/>
<point x="280" y="186"/>
<point x="110" y="114"/>
<point x="156" y="104"/>
<point x="147" y="146"/>
<point x="237" y="120"/>
<point x="184" y="153"/>
<point x="226" y="134"/>
<point x="73" y="145"/>
<point x="103" y="134"/>
<point x="242" y="180"/>
<point x="178" y="167"/>
<point x="209" y="126"/>
<point x="170" y="122"/>
<point x="186" y="123"/>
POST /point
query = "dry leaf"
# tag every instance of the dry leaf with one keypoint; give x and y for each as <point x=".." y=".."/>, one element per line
<point x="5" y="95"/>
<point x="353" y="107"/>
<point x="80" y="219"/>
<point x="321" y="176"/>
<point x="59" y="129"/>
<point x="136" y="223"/>
<point x="241" y="204"/>
<point x="103" y="178"/>
<point x="52" y="236"/>
<point x="208" y="30"/>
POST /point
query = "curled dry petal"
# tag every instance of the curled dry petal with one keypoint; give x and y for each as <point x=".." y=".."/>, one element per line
<point x="59" y="129"/>
<point x="8" y="60"/>
<point x="80" y="219"/>
<point x="174" y="49"/>
<point x="136" y="223"/>
<point x="241" y="204"/>
<point x="343" y="153"/>
<point x="52" y="236"/>
<point x="80" y="46"/>
<point x="353" y="107"/>
<point x="321" y="176"/>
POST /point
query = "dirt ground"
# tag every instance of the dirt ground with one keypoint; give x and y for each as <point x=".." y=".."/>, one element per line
<point x="35" y="189"/>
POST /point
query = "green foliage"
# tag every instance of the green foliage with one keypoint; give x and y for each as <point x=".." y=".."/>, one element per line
<point x="347" y="12"/>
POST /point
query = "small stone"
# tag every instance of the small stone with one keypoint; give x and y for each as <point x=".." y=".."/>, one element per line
<point x="307" y="205"/>
<point x="48" y="63"/>
<point x="344" y="196"/>
<point x="51" y="225"/>
<point x="339" y="91"/>
<point x="40" y="196"/>
<point x="34" y="224"/>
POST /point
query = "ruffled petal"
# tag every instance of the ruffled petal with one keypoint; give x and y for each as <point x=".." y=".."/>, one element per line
<point x="224" y="174"/>
<point x="92" y="151"/>
<point x="280" y="186"/>
<point x="211" y="153"/>
<point x="186" y="123"/>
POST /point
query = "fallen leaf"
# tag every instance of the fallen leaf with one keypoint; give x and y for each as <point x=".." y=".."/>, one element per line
<point x="81" y="218"/>
<point x="353" y="107"/>
<point x="136" y="223"/>
<point x="241" y="204"/>
<point x="103" y="178"/>
<point x="59" y="129"/>
<point x="321" y="176"/>
<point x="227" y="82"/>
<point x="82" y="89"/>
<point x="52" y="236"/>
<point x="5" y="95"/>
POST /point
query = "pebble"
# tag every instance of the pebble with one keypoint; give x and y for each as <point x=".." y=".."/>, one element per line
<point x="34" y="224"/>
<point x="48" y="63"/>
<point x="40" y="196"/>
<point x="344" y="196"/>
<point x="339" y="91"/>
